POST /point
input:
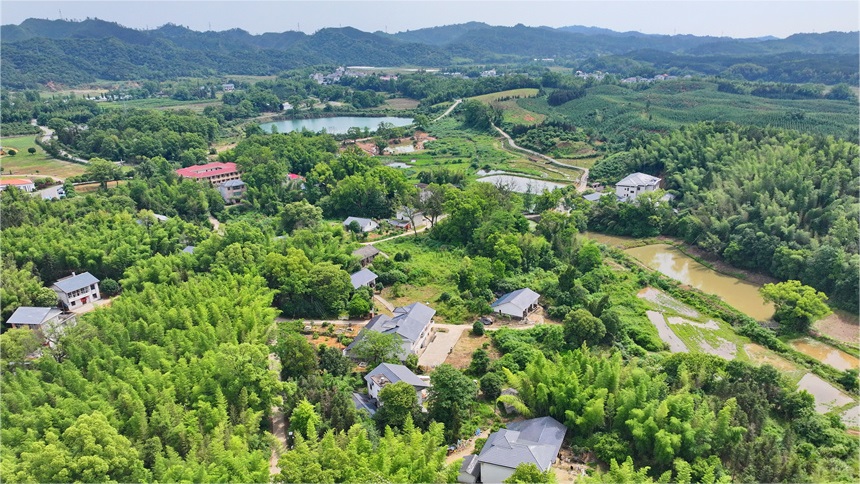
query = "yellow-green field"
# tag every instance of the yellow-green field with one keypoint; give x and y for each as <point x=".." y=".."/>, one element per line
<point x="39" y="163"/>
<point x="513" y="112"/>
<point x="400" y="103"/>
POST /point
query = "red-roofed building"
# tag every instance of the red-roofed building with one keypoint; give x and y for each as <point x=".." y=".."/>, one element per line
<point x="215" y="173"/>
<point x="20" y="183"/>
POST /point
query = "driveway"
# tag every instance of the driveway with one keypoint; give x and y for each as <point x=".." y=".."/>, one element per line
<point x="437" y="351"/>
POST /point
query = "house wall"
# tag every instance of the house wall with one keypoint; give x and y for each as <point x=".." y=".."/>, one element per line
<point x="74" y="300"/>
<point x="466" y="478"/>
<point x="494" y="474"/>
<point x="633" y="191"/>
<point x="422" y="338"/>
<point x="373" y="390"/>
<point x="510" y="310"/>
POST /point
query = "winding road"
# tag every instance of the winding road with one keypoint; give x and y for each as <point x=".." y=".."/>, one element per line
<point x="47" y="134"/>
<point x="583" y="180"/>
<point x="448" y="111"/>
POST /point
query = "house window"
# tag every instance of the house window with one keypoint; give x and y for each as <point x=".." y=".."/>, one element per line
<point x="72" y="303"/>
<point x="92" y="287"/>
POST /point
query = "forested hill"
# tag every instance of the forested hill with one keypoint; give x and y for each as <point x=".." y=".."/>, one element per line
<point x="38" y="51"/>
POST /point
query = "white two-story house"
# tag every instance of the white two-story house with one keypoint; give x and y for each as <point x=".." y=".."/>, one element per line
<point x="76" y="290"/>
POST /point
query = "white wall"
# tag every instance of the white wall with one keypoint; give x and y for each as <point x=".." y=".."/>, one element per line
<point x="493" y="474"/>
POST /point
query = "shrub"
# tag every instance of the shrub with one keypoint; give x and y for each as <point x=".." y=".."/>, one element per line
<point x="478" y="328"/>
<point x="12" y="152"/>
<point x="445" y="296"/>
<point x="109" y="287"/>
<point x="31" y="150"/>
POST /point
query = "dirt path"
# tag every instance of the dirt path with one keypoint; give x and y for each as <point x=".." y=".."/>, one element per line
<point x="387" y="305"/>
<point x="215" y="224"/>
<point x="583" y="180"/>
<point x="466" y="449"/>
<point x="405" y="234"/>
<point x="279" y="423"/>
<point x="448" y="111"/>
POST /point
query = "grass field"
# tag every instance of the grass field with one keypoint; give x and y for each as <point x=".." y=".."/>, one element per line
<point x="39" y="163"/>
<point x="162" y="103"/>
<point x="399" y="103"/>
<point x="511" y="110"/>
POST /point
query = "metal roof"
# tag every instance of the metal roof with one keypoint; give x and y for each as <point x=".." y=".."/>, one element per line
<point x="535" y="441"/>
<point x="365" y="223"/>
<point x="362" y="278"/>
<point x="639" y="180"/>
<point x="408" y="322"/>
<point x="396" y="373"/>
<point x="521" y="298"/>
<point x="233" y="183"/>
<point x="73" y="283"/>
<point x="189" y="249"/>
<point x="32" y="316"/>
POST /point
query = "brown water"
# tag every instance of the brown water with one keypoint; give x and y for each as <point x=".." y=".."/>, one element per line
<point x="614" y="240"/>
<point x="826" y="354"/>
<point x="670" y="261"/>
<point x="761" y="355"/>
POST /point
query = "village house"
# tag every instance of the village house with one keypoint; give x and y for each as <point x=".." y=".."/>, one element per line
<point x="517" y="304"/>
<point x="364" y="277"/>
<point x="19" y="183"/>
<point x="411" y="323"/>
<point x="228" y="87"/>
<point x="536" y="441"/>
<point x="76" y="290"/>
<point x="34" y="318"/>
<point x="215" y="173"/>
<point x="232" y="191"/>
<point x="365" y="224"/>
<point x="635" y="184"/>
<point x="387" y="373"/>
<point x="366" y="253"/>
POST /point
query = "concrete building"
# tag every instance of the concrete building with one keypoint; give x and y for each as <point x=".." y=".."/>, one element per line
<point x="232" y="191"/>
<point x="635" y="184"/>
<point x="215" y="173"/>
<point x="366" y="253"/>
<point x="536" y="441"/>
<point x="364" y="277"/>
<point x="19" y="183"/>
<point x="365" y="224"/>
<point x="517" y="304"/>
<point x="387" y="373"/>
<point x="76" y="290"/>
<point x="411" y="323"/>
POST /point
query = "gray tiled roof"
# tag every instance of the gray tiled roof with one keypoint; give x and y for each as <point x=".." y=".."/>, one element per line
<point x="73" y="283"/>
<point x="233" y="183"/>
<point x="535" y="441"/>
<point x="639" y="180"/>
<point x="521" y="298"/>
<point x="32" y="316"/>
<point x="366" y="251"/>
<point x="365" y="223"/>
<point x="396" y="373"/>
<point x="189" y="249"/>
<point x="408" y="322"/>
<point x="362" y="277"/>
<point x="470" y="465"/>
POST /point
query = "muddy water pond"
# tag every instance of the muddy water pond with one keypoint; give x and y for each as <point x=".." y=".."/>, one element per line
<point x="670" y="261"/>
<point x="826" y="354"/>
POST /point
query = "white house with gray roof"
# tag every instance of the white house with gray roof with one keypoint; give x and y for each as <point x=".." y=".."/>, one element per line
<point x="365" y="224"/>
<point x="536" y="441"/>
<point x="364" y="277"/>
<point x="411" y="323"/>
<point x="517" y="304"/>
<point x="634" y="184"/>
<point x="76" y="290"/>
<point x="387" y="373"/>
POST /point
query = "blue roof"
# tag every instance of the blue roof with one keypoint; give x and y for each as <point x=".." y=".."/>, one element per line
<point x="73" y="283"/>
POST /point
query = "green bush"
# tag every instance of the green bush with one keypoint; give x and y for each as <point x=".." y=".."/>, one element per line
<point x="478" y="328"/>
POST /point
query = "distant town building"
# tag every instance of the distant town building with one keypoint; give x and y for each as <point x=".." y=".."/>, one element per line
<point x="215" y="173"/>
<point x="228" y="87"/>
<point x="19" y="183"/>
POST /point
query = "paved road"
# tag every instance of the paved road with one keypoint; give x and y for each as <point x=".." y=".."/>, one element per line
<point x="387" y="305"/>
<point x="47" y="134"/>
<point x="438" y="350"/>
<point x="448" y="111"/>
<point x="583" y="180"/>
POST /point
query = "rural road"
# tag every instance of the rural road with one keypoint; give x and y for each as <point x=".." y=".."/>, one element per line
<point x="583" y="180"/>
<point x="448" y="111"/>
<point x="407" y="233"/>
<point x="437" y="351"/>
<point x="47" y="134"/>
<point x="279" y="423"/>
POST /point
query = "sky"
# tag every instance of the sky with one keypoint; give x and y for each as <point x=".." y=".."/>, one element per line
<point x="732" y="18"/>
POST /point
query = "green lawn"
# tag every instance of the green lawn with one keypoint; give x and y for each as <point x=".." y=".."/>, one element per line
<point x="39" y="163"/>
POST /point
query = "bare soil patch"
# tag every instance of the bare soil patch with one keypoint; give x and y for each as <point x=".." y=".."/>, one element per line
<point x="762" y="356"/>
<point x="726" y="350"/>
<point x="666" y="302"/>
<point x="461" y="355"/>
<point x="841" y="326"/>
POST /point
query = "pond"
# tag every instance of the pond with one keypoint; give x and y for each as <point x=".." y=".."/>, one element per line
<point x="670" y="261"/>
<point x="521" y="184"/>
<point x="825" y="354"/>
<point x="335" y="125"/>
